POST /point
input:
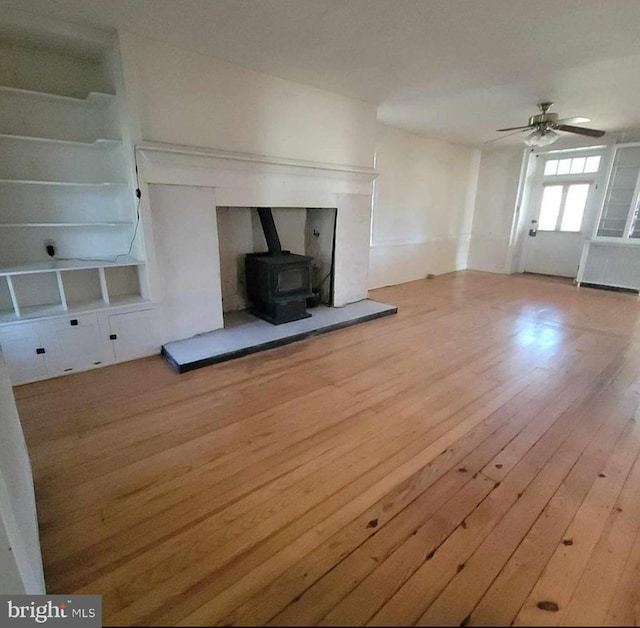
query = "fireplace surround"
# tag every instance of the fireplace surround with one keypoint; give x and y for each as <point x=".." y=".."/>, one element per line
<point x="208" y="178"/>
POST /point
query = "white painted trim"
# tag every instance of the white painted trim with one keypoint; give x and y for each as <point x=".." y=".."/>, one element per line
<point x="20" y="558"/>
<point x="249" y="157"/>
<point x="515" y="248"/>
<point x="407" y="242"/>
<point x="247" y="180"/>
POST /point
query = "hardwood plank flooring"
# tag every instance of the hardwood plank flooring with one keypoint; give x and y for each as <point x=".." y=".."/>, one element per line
<point x="473" y="460"/>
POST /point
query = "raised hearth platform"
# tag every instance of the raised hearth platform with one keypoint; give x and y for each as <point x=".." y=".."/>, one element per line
<point x="244" y="333"/>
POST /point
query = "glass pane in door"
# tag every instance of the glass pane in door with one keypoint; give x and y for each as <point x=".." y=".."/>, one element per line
<point x="550" y="207"/>
<point x="574" y="207"/>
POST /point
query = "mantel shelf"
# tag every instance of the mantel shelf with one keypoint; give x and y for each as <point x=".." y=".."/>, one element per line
<point x="93" y="99"/>
<point x="97" y="143"/>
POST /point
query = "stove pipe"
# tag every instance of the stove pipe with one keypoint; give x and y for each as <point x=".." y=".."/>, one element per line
<point x="270" y="231"/>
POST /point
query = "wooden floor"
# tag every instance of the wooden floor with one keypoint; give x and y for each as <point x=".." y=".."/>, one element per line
<point x="470" y="461"/>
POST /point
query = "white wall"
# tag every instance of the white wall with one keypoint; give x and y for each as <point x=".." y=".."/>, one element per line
<point x="235" y="234"/>
<point x="290" y="225"/>
<point x="20" y="560"/>
<point x="319" y="232"/>
<point x="185" y="234"/>
<point x="182" y="98"/>
<point x="185" y="98"/>
<point x="495" y="206"/>
<point x="423" y="204"/>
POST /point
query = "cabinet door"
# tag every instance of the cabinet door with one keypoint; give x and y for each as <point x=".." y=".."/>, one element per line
<point x="78" y="343"/>
<point x="133" y="334"/>
<point x="26" y="356"/>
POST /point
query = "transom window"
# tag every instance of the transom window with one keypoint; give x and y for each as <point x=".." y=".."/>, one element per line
<point x="562" y="207"/>
<point x="572" y="165"/>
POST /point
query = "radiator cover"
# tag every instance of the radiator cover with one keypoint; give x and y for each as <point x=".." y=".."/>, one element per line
<point x="611" y="264"/>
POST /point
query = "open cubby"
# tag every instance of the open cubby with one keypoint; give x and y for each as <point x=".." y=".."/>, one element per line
<point x="6" y="304"/>
<point x="81" y="286"/>
<point x="37" y="292"/>
<point x="123" y="282"/>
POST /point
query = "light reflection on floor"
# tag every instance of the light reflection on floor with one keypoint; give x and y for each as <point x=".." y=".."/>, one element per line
<point x="540" y="335"/>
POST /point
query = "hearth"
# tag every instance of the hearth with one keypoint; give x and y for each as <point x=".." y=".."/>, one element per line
<point x="278" y="282"/>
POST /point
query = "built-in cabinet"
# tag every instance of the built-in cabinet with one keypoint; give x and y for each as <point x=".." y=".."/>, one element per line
<point x="71" y="250"/>
<point x="56" y="346"/>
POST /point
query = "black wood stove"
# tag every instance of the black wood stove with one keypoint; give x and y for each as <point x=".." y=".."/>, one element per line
<point x="278" y="282"/>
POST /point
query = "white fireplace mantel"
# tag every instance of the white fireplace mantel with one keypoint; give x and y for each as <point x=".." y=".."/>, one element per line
<point x="245" y="180"/>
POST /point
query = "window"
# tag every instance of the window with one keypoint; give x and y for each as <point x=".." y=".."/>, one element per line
<point x="575" y="165"/>
<point x="562" y="206"/>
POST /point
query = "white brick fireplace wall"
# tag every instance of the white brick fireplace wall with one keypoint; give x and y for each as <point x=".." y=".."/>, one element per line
<point x="181" y="188"/>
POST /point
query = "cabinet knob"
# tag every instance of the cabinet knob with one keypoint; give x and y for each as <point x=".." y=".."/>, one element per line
<point x="40" y="350"/>
<point x="73" y="322"/>
<point x="113" y="336"/>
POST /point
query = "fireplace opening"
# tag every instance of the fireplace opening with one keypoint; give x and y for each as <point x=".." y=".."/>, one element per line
<point x="289" y="252"/>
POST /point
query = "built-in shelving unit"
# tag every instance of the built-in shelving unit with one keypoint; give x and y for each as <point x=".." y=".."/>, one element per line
<point x="618" y="215"/>
<point x="612" y="256"/>
<point x="66" y="286"/>
<point x="63" y="181"/>
<point x="66" y="182"/>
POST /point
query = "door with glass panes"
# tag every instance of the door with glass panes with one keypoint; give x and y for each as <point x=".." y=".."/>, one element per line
<point x="560" y="213"/>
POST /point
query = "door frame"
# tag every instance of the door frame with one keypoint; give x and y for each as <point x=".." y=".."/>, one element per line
<point x="530" y="191"/>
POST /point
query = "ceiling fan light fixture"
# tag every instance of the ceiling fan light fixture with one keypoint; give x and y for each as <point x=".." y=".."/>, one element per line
<point x="541" y="137"/>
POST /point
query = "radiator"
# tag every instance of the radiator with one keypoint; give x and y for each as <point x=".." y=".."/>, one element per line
<point x="616" y="265"/>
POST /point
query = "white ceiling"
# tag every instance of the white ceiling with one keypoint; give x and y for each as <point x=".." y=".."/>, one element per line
<point x="451" y="69"/>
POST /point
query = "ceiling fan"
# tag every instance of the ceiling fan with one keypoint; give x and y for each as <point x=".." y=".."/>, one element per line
<point x="544" y="126"/>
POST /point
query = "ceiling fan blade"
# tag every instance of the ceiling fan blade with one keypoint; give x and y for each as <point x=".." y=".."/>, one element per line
<point x="579" y="130"/>
<point x="515" y="128"/>
<point x="574" y="120"/>
<point x="503" y="137"/>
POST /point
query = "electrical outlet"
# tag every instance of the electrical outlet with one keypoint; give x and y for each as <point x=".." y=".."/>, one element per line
<point x="50" y="247"/>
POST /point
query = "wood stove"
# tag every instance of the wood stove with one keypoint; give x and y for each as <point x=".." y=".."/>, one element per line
<point x="278" y="282"/>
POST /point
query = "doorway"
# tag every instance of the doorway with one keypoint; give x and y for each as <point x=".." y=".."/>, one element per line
<point x="561" y="209"/>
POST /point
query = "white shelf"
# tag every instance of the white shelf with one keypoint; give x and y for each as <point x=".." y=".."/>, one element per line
<point x="62" y="183"/>
<point x="93" y="99"/>
<point x="56" y="310"/>
<point x="27" y="225"/>
<point x="614" y="241"/>
<point x="62" y="265"/>
<point x="97" y="143"/>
